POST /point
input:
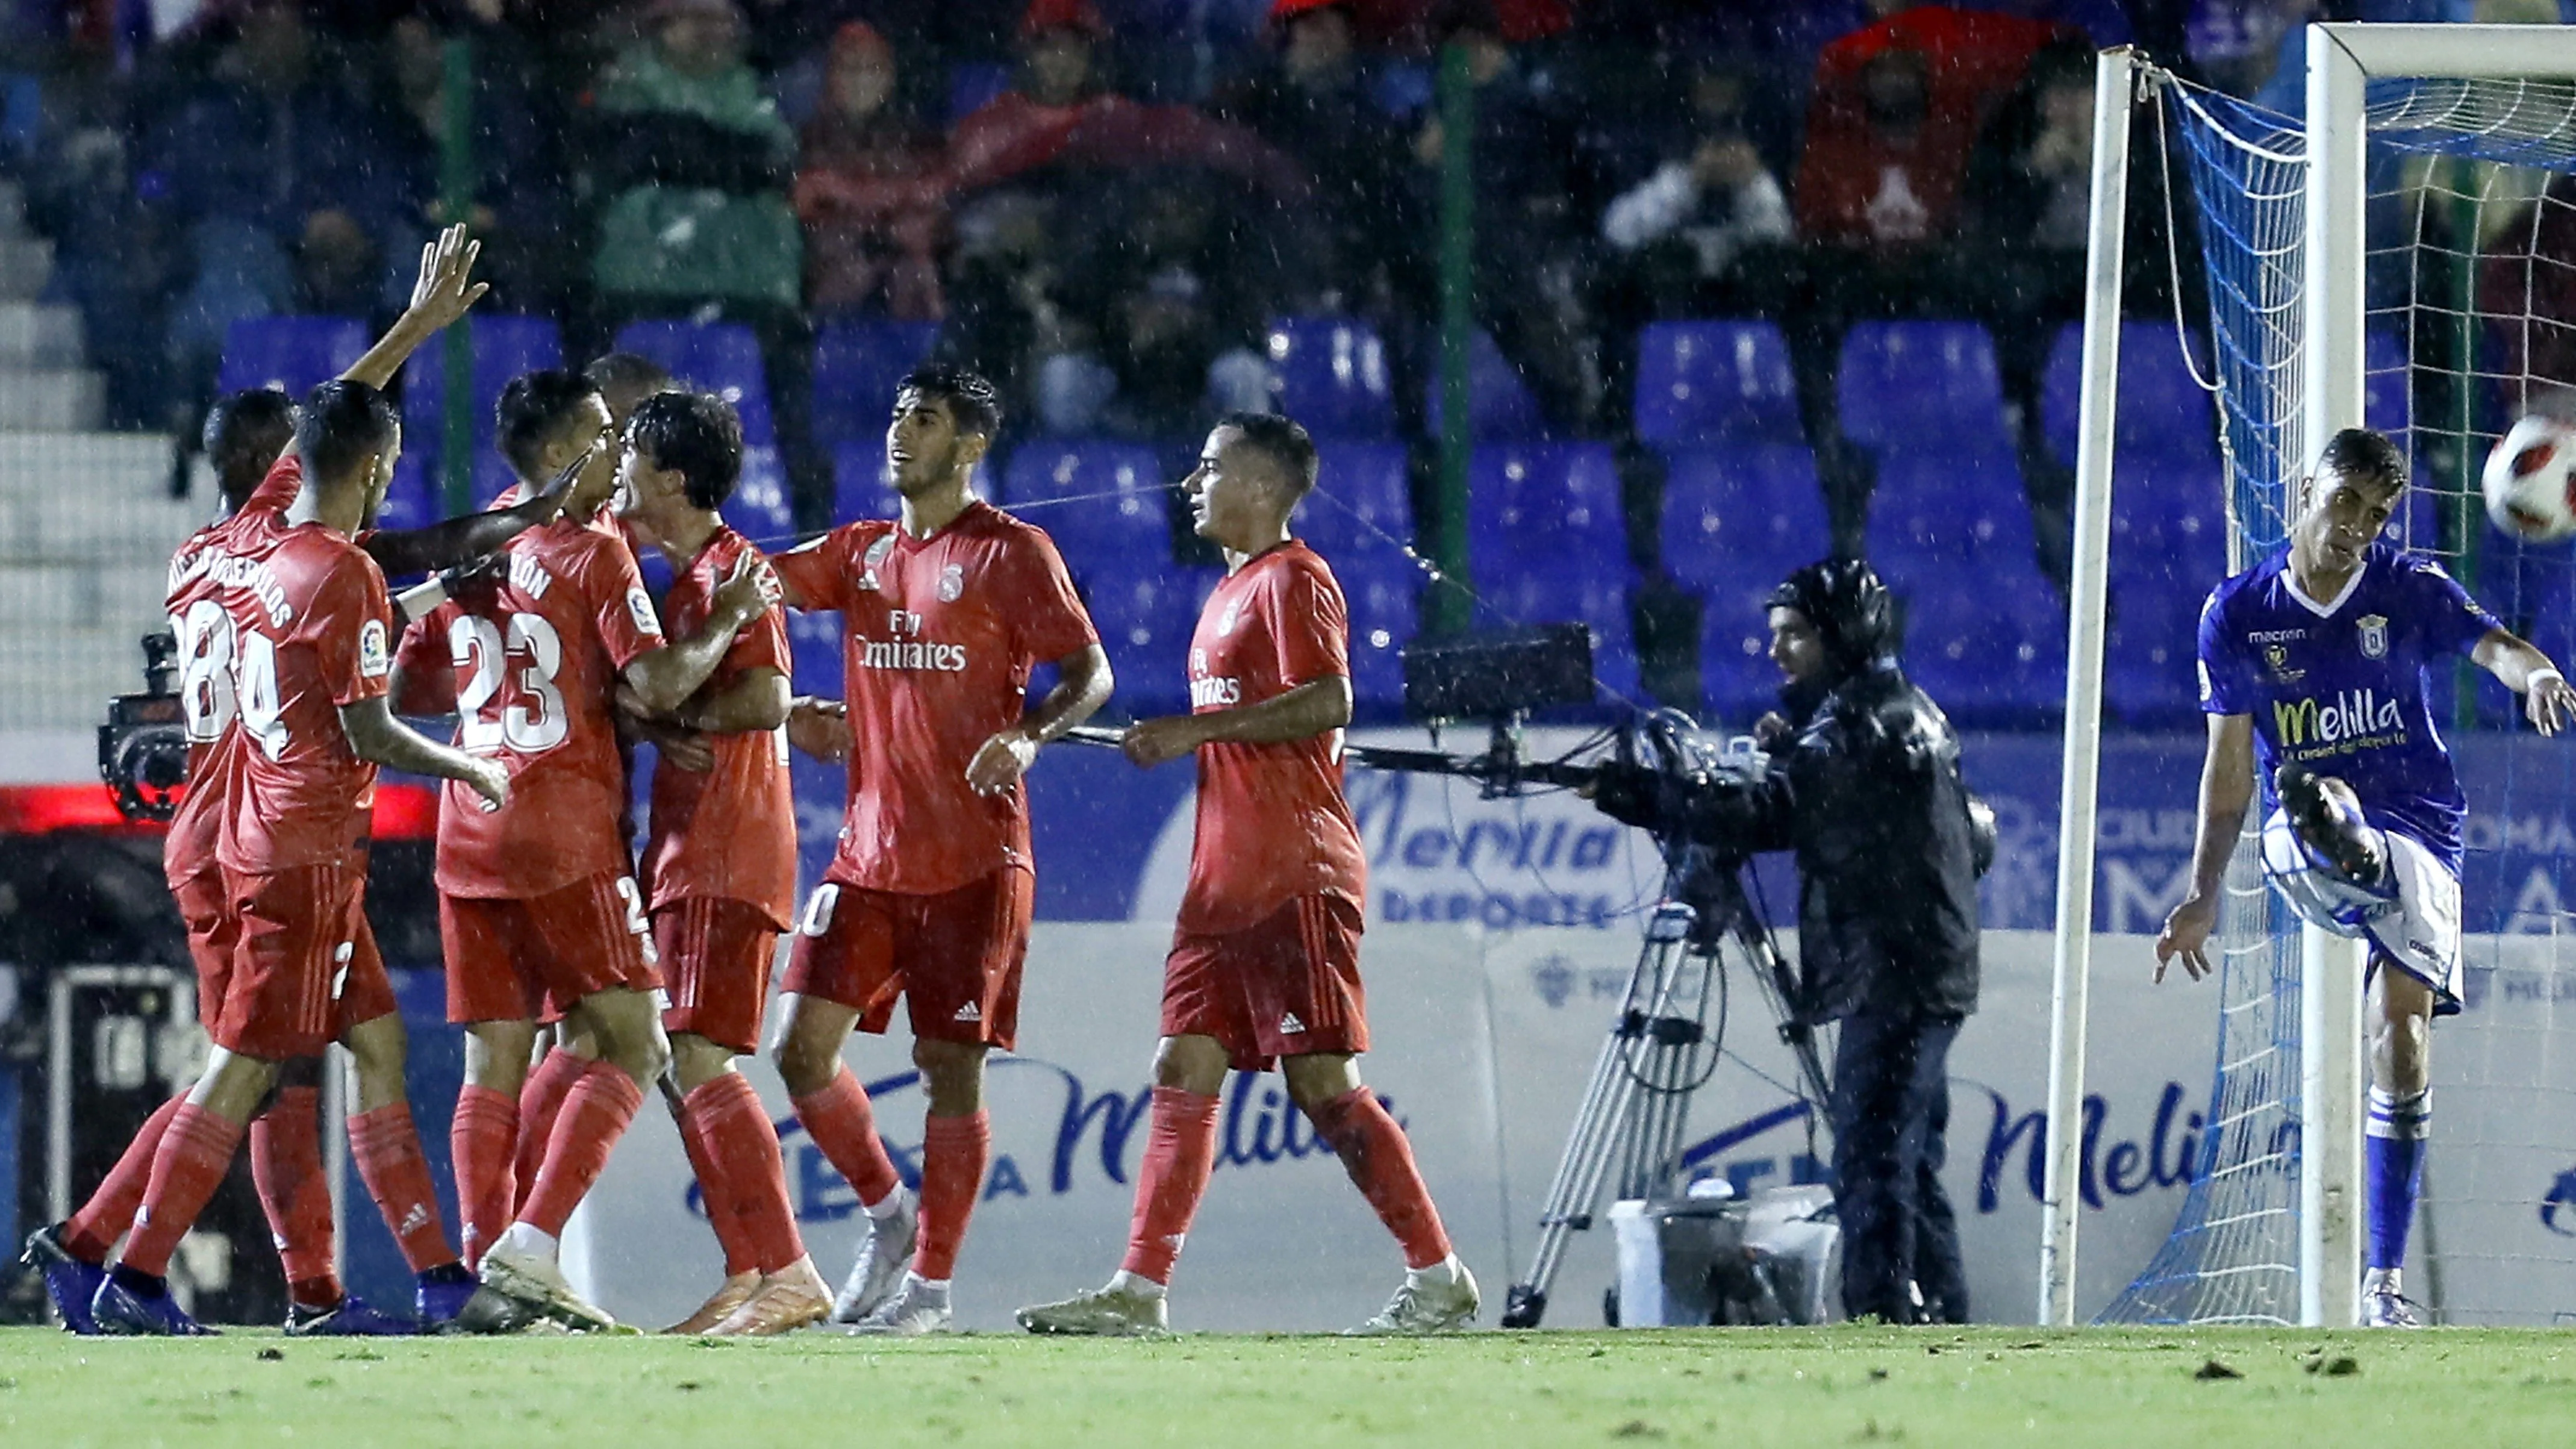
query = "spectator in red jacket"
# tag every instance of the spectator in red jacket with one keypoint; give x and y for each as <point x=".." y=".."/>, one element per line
<point x="871" y="190"/>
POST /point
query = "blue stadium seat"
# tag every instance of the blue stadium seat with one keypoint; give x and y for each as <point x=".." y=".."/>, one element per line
<point x="1384" y="591"/>
<point x="717" y="357"/>
<point x="417" y="496"/>
<point x="972" y="85"/>
<point x="860" y="488"/>
<point x="1729" y="509"/>
<point x="2168" y="550"/>
<point x="2150" y="676"/>
<point x="1906" y="386"/>
<point x="1712" y="382"/>
<point x="1986" y="633"/>
<point x="856" y="367"/>
<point x="1331" y="376"/>
<point x="1362" y="499"/>
<point x="1500" y="407"/>
<point x="504" y="347"/>
<point x="2385" y="401"/>
<point x="1112" y="519"/>
<point x="1942" y="511"/>
<point x="759" y="509"/>
<point x="1546" y="542"/>
<point x="1145" y="618"/>
<point x="2163" y="414"/>
<point x="293" y="353"/>
<point x="814" y="652"/>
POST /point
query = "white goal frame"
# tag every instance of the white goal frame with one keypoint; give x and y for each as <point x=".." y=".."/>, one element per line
<point x="2342" y="59"/>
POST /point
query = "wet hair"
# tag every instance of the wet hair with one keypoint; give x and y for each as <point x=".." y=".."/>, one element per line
<point x="244" y="433"/>
<point x="532" y="407"/>
<point x="2360" y="455"/>
<point x="1281" y="441"/>
<point x="627" y="370"/>
<point x="972" y="403"/>
<point x="698" y="434"/>
<point x="343" y="424"/>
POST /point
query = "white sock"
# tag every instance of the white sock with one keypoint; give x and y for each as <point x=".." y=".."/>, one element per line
<point x="915" y="1283"/>
<point x="1443" y="1274"/>
<point x="884" y="1208"/>
<point x="2381" y="1280"/>
<point x="530" y="1241"/>
<point x="1134" y="1286"/>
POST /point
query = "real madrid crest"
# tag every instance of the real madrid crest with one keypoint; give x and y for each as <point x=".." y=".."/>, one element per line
<point x="952" y="582"/>
<point x="2374" y="635"/>
<point x="1232" y="616"/>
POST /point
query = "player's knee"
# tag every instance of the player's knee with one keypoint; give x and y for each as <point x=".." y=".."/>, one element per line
<point x="1321" y="1078"/>
<point x="952" y="1074"/>
<point x="1190" y="1064"/>
<point x="805" y="1062"/>
<point x="496" y="1054"/>
<point x="696" y="1061"/>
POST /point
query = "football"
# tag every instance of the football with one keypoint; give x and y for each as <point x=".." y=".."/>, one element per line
<point x="2527" y="478"/>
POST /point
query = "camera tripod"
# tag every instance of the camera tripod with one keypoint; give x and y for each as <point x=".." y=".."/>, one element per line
<point x="1660" y="1050"/>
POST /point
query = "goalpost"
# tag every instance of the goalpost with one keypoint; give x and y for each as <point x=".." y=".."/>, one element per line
<point x="2285" y="212"/>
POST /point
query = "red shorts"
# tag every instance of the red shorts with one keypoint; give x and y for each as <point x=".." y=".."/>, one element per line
<point x="303" y="966"/>
<point x="1286" y="986"/>
<point x="212" y="929"/>
<point x="716" y="954"/>
<point x="954" y="957"/>
<point x="505" y="955"/>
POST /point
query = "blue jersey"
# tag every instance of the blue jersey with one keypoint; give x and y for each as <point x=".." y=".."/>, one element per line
<point x="2340" y="686"/>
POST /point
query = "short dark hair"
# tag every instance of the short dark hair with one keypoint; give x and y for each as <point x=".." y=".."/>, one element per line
<point x="532" y="407"/>
<point x="342" y="424"/>
<point x="627" y="370"/>
<point x="972" y="403"/>
<point x="2361" y="455"/>
<point x="244" y="433"/>
<point x="1284" y="442"/>
<point x="697" y="433"/>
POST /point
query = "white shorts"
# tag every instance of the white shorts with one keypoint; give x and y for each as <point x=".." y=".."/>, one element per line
<point x="2414" y="920"/>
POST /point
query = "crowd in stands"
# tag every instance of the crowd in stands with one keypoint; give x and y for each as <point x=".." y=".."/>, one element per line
<point x="1106" y="203"/>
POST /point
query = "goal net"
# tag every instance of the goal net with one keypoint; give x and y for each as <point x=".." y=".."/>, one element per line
<point x="2469" y="295"/>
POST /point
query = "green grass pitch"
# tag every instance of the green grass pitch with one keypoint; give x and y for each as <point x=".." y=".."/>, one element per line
<point x="2451" y="1389"/>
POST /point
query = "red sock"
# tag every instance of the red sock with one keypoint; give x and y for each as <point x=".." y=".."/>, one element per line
<point x="1380" y="1161"/>
<point x="714" y="1190"/>
<point x="841" y="1123"/>
<point x="1180" y="1151"/>
<point x="745" y="1145"/>
<point x="286" y="1164"/>
<point x="595" y="1114"/>
<point x="541" y="1096"/>
<point x="92" y="1233"/>
<point x="194" y="1155"/>
<point x="953" y="1152"/>
<point x="479" y="1142"/>
<point x="397" y="1176"/>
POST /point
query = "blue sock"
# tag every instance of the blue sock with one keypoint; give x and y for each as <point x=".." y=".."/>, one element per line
<point x="2394" y="1162"/>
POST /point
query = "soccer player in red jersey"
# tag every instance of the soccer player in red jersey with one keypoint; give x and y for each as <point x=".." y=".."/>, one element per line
<point x="720" y="867"/>
<point x="929" y="895"/>
<point x="537" y="897"/>
<point x="305" y="632"/>
<point x="1265" y="959"/>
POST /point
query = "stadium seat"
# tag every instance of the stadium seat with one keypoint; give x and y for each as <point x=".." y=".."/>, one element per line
<point x="759" y="509"/>
<point x="1331" y="376"/>
<point x="293" y="353"/>
<point x="1546" y="542"/>
<point x="2385" y="396"/>
<point x="972" y="85"/>
<point x="417" y="497"/>
<point x="1985" y="632"/>
<point x="2168" y="550"/>
<point x="719" y="357"/>
<point x="1943" y="511"/>
<point x="2150" y="677"/>
<point x="1500" y="407"/>
<point x="860" y="487"/>
<point x="504" y="347"/>
<point x="1730" y="509"/>
<point x="1906" y="386"/>
<point x="856" y="367"/>
<point x="1716" y="382"/>
<point x="814" y="652"/>
<point x="1145" y="618"/>
<point x="1384" y="591"/>
<point x="2163" y="414"/>
<point x="1104" y="503"/>
<point x="1362" y="500"/>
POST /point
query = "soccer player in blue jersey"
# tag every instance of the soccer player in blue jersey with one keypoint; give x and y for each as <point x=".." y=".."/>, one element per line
<point x="2314" y="663"/>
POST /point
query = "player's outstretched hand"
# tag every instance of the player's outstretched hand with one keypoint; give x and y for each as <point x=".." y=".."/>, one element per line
<point x="488" y="779"/>
<point x="2186" y="936"/>
<point x="819" y="727"/>
<point x="1152" y="742"/>
<point x="445" y="290"/>
<point x="2551" y="704"/>
<point x="749" y="591"/>
<point x="1001" y="762"/>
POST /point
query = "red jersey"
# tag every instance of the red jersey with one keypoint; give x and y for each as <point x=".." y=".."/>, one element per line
<point x="730" y="831"/>
<point x="941" y="634"/>
<point x="206" y="703"/>
<point x="533" y="665"/>
<point x="310" y="631"/>
<point x="1272" y="822"/>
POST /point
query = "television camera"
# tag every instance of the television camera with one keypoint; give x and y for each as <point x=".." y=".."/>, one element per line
<point x="143" y="747"/>
<point x="1666" y="1040"/>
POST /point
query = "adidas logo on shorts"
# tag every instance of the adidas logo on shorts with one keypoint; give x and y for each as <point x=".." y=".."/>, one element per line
<point x="967" y="1013"/>
<point x="1289" y="1025"/>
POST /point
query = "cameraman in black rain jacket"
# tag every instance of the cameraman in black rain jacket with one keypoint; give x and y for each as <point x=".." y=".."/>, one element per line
<point x="1863" y="783"/>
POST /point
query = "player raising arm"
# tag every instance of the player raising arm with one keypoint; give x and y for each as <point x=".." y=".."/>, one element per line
<point x="2312" y="668"/>
<point x="1264" y="964"/>
<point x="930" y="893"/>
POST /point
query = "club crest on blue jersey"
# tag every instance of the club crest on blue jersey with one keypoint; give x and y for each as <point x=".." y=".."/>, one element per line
<point x="2374" y="635"/>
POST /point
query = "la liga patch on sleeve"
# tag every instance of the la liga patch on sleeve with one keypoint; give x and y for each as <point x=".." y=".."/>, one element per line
<point x="640" y="605"/>
<point x="375" y="658"/>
